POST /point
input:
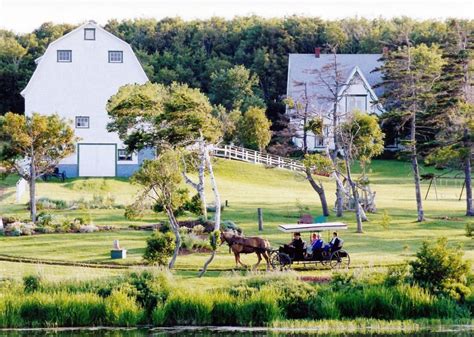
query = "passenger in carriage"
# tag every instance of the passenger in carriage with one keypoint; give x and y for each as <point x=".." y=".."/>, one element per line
<point x="318" y="243"/>
<point x="334" y="244"/>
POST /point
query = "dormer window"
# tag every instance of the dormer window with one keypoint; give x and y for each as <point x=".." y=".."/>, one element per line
<point x="89" y="34"/>
<point x="356" y="102"/>
<point x="64" y="55"/>
<point x="115" y="56"/>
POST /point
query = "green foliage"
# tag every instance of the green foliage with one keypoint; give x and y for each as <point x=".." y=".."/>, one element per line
<point x="397" y="275"/>
<point x="469" y="229"/>
<point x="315" y="125"/>
<point x="235" y="89"/>
<point x="260" y="309"/>
<point x="159" y="247"/>
<point x="31" y="283"/>
<point x="437" y="267"/>
<point x="122" y="310"/>
<point x="187" y="309"/>
<point x="194" y="205"/>
<point x="254" y="129"/>
<point x="215" y="239"/>
<point x="319" y="164"/>
<point x="366" y="138"/>
<point x="385" y="220"/>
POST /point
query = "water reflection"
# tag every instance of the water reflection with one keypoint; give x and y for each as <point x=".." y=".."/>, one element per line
<point x="452" y="332"/>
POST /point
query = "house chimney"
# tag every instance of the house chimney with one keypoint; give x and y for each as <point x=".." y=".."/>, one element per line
<point x="317" y="52"/>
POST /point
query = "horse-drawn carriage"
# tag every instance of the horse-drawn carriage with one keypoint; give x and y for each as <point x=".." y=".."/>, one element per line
<point x="334" y="255"/>
<point x="331" y="255"/>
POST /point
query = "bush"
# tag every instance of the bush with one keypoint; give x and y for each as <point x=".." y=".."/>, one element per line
<point x="159" y="247"/>
<point x="188" y="309"/>
<point x="122" y="310"/>
<point x="150" y="289"/>
<point x="194" y="205"/>
<point x="322" y="305"/>
<point x="228" y="225"/>
<point x="31" y="283"/>
<point x="260" y="309"/>
<point x="437" y="266"/>
<point x="396" y="275"/>
<point x="46" y="203"/>
<point x="198" y="230"/>
<point x="293" y="298"/>
<point x="469" y="229"/>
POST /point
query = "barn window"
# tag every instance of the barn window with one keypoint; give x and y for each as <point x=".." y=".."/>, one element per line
<point x="82" y="122"/>
<point x="115" y="56"/>
<point x="64" y="55"/>
<point x="356" y="102"/>
<point x="89" y="33"/>
<point x="123" y="155"/>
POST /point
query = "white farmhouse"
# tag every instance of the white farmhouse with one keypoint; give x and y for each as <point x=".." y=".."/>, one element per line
<point x="75" y="78"/>
<point x="311" y="81"/>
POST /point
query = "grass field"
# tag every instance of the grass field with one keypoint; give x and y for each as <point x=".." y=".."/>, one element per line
<point x="282" y="194"/>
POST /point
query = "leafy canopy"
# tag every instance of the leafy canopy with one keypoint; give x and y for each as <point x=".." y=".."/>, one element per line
<point x="43" y="140"/>
<point x="254" y="129"/>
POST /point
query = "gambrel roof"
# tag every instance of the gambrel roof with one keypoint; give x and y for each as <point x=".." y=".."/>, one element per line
<point x="302" y="68"/>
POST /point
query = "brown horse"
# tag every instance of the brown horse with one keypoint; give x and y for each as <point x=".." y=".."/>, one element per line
<point x="242" y="245"/>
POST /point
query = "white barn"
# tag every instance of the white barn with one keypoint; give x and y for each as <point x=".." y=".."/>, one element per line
<point x="75" y="78"/>
<point x="357" y="92"/>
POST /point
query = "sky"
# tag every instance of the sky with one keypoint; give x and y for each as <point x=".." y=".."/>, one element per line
<point x="23" y="16"/>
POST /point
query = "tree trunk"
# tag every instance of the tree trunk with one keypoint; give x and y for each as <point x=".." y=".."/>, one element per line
<point x="217" y="215"/>
<point x="201" y="173"/>
<point x="467" y="174"/>
<point x="175" y="229"/>
<point x="32" y="190"/>
<point x="416" y="171"/>
<point x="355" y="194"/>
<point x="320" y="190"/>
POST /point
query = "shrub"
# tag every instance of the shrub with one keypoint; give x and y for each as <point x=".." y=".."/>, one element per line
<point x="293" y="298"/>
<point x="228" y="225"/>
<point x="225" y="309"/>
<point x="159" y="247"/>
<point x="469" y="229"/>
<point x="88" y="229"/>
<point x="188" y="309"/>
<point x="436" y="266"/>
<point x="260" y="309"/>
<point x="45" y="219"/>
<point x="198" y="230"/>
<point x="122" y="310"/>
<point x="396" y="275"/>
<point x="31" y="283"/>
<point x="149" y="289"/>
<point x="194" y="205"/>
<point x="322" y="305"/>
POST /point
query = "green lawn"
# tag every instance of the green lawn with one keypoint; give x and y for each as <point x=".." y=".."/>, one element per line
<point x="247" y="187"/>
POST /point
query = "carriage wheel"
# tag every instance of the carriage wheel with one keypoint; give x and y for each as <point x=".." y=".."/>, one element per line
<point x="280" y="261"/>
<point x="340" y="259"/>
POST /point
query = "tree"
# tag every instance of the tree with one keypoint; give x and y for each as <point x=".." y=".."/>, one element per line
<point x="254" y="129"/>
<point x="158" y="116"/>
<point x="235" y="89"/>
<point x="452" y="117"/>
<point x="34" y="145"/>
<point x="361" y="139"/>
<point x="305" y="119"/>
<point x="409" y="74"/>
<point x="169" y="117"/>
<point x="161" y="179"/>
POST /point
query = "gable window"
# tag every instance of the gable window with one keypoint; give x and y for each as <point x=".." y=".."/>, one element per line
<point x="123" y="155"/>
<point x="82" y="122"/>
<point x="89" y="33"/>
<point x="64" y="55"/>
<point x="115" y="56"/>
<point x="356" y="102"/>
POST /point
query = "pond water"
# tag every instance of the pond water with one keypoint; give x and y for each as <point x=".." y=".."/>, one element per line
<point x="222" y="332"/>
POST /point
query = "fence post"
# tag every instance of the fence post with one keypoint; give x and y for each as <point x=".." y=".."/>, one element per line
<point x="260" y="219"/>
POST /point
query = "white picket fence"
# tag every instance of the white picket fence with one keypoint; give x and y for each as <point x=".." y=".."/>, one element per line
<point x="256" y="157"/>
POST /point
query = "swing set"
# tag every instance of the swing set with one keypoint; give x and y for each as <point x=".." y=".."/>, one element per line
<point x="438" y="180"/>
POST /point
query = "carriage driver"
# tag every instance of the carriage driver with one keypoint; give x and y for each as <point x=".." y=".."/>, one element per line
<point x="296" y="246"/>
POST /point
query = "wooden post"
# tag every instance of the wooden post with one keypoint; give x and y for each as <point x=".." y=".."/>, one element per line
<point x="227" y="203"/>
<point x="260" y="219"/>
